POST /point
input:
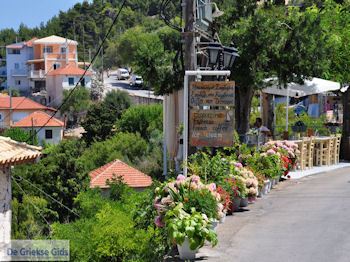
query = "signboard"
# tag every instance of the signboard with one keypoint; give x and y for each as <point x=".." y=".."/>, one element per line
<point x="218" y="93"/>
<point x="211" y="128"/>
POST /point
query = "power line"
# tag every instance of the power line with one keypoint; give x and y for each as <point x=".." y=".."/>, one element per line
<point x="30" y="201"/>
<point x="48" y="195"/>
<point x="86" y="69"/>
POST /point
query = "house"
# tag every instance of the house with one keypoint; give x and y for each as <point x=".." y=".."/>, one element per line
<point x="64" y="78"/>
<point x="131" y="176"/>
<point x="17" y="56"/>
<point x="50" y="53"/>
<point x="52" y="131"/>
<point x="16" y="108"/>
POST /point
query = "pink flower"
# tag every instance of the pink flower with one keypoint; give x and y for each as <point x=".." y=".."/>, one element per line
<point x="263" y="154"/>
<point x="158" y="222"/>
<point x="223" y="159"/>
<point x="239" y="165"/>
<point x="181" y="177"/>
<point x="195" y="178"/>
<point x="270" y="152"/>
<point x="212" y="186"/>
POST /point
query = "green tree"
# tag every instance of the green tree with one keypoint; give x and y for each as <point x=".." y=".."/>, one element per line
<point x="75" y="102"/>
<point x="142" y="119"/>
<point x="20" y="135"/>
<point x="14" y="92"/>
<point x="101" y="118"/>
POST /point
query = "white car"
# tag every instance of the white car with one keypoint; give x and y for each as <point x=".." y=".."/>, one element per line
<point x="122" y="74"/>
<point x="136" y="81"/>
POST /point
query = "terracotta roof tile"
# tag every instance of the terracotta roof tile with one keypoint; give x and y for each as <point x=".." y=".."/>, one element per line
<point x="21" y="103"/>
<point x="13" y="152"/>
<point x="68" y="70"/>
<point x="39" y="119"/>
<point x="131" y="176"/>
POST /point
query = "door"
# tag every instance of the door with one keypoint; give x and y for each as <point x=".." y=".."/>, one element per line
<point x="1" y="119"/>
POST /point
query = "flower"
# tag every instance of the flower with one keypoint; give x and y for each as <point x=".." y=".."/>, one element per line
<point x="195" y="178"/>
<point x="158" y="222"/>
<point x="239" y="165"/>
<point x="223" y="159"/>
<point x="180" y="178"/>
<point x="270" y="152"/>
<point x="212" y="186"/>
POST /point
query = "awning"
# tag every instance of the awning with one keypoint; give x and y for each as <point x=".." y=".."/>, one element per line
<point x="310" y="87"/>
<point x="35" y="61"/>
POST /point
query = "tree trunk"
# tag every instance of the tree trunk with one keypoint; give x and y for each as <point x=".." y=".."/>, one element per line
<point x="346" y="126"/>
<point x="243" y="99"/>
<point x="5" y="209"/>
<point x="269" y="113"/>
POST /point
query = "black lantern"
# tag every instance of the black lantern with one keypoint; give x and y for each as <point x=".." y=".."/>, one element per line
<point x="214" y="49"/>
<point x="230" y="54"/>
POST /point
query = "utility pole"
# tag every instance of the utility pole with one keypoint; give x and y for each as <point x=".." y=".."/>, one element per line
<point x="82" y="25"/>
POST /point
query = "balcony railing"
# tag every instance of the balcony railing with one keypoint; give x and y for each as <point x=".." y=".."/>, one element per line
<point x="56" y="56"/>
<point x="18" y="72"/>
<point x="36" y="74"/>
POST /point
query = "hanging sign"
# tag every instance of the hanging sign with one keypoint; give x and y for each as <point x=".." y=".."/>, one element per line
<point x="212" y="93"/>
<point x="211" y="128"/>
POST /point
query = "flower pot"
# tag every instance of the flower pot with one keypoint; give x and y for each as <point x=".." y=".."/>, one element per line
<point x="236" y="203"/>
<point x="260" y="194"/>
<point x="222" y="220"/>
<point x="267" y="187"/>
<point x="185" y="251"/>
<point x="272" y="183"/>
<point x="251" y="199"/>
<point x="244" y="202"/>
<point x="214" y="224"/>
<point x="230" y="208"/>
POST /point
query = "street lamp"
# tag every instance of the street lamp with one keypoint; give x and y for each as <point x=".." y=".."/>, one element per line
<point x="214" y="49"/>
<point x="230" y="54"/>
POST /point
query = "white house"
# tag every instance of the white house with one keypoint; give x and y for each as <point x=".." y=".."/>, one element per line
<point x="17" y="56"/>
<point x="51" y="133"/>
<point x="64" y="78"/>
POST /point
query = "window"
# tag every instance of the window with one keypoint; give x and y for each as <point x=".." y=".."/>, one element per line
<point x="48" y="134"/>
<point x="56" y="66"/>
<point x="47" y="49"/>
<point x="14" y="51"/>
<point x="17" y="82"/>
<point x="82" y="82"/>
<point x="63" y="50"/>
<point x="71" y="81"/>
<point x="16" y="66"/>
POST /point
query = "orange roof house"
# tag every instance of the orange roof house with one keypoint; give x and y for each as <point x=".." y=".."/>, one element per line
<point x="19" y="108"/>
<point x="69" y="70"/>
<point x="131" y="176"/>
<point x="47" y="128"/>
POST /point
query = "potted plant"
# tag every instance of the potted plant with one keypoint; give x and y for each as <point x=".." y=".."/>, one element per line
<point x="188" y="231"/>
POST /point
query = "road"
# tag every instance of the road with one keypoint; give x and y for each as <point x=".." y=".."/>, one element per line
<point x="300" y="220"/>
<point x="112" y="82"/>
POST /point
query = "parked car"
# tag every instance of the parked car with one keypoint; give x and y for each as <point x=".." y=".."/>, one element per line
<point x="122" y="74"/>
<point x="136" y="81"/>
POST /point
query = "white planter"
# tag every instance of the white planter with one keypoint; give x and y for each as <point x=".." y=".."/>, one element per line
<point x="267" y="187"/>
<point x="222" y="220"/>
<point x="214" y="224"/>
<point x="261" y="193"/>
<point x="185" y="251"/>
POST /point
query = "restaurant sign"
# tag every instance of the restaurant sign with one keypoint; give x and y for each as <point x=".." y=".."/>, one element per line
<point x="212" y="93"/>
<point x="211" y="128"/>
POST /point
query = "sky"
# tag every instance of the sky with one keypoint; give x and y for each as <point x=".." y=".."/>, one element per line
<point x="31" y="12"/>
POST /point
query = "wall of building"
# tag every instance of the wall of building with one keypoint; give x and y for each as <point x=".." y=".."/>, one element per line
<point x="26" y="53"/>
<point x="8" y="117"/>
<point x="65" y="83"/>
<point x="57" y="133"/>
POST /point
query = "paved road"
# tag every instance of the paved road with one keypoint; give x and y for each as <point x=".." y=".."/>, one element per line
<point x="112" y="82"/>
<point x="300" y="220"/>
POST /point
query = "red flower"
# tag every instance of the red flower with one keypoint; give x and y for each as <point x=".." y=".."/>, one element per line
<point x="286" y="172"/>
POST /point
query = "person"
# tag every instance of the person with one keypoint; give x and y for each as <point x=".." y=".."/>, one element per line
<point x="108" y="72"/>
<point x="263" y="130"/>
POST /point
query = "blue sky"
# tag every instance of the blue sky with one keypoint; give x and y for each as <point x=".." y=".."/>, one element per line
<point x="31" y="12"/>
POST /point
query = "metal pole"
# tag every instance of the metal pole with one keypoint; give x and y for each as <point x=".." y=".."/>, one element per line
<point x="287" y="106"/>
<point x="185" y="133"/>
<point x="274" y="116"/>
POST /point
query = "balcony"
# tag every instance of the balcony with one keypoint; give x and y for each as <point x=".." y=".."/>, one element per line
<point x="55" y="56"/>
<point x="36" y="74"/>
<point x="18" y="72"/>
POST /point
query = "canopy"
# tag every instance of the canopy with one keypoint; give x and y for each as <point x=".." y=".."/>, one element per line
<point x="310" y="87"/>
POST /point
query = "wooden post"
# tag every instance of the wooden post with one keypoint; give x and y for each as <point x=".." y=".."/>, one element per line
<point x="5" y="208"/>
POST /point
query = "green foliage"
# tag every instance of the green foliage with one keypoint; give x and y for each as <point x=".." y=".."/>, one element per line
<point x="60" y="175"/>
<point x="26" y="220"/>
<point x="194" y="226"/>
<point x="75" y="102"/>
<point x="20" y="135"/>
<point x="142" y="119"/>
<point x="127" y="147"/>
<point x="118" y="191"/>
<point x="268" y="165"/>
<point x="14" y="92"/>
<point x="204" y="202"/>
